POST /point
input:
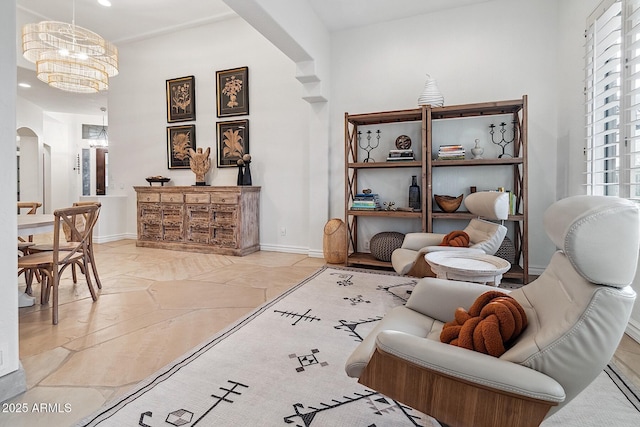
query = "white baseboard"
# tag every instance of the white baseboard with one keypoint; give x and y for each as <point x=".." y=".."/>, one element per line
<point x="315" y="253"/>
<point x="536" y="270"/>
<point x="287" y="249"/>
<point x="113" y="238"/>
<point x="312" y="253"/>
<point x="633" y="330"/>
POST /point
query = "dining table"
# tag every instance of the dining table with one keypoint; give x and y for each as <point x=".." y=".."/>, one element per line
<point x="28" y="225"/>
<point x="35" y="224"/>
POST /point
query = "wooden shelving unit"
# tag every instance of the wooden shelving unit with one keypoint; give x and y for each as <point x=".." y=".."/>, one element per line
<point x="353" y="165"/>
<point x="426" y="115"/>
<point x="517" y="164"/>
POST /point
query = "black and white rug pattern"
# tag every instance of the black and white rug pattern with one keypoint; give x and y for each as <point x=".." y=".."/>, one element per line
<point x="282" y="365"/>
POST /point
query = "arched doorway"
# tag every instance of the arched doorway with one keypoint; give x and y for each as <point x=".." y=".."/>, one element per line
<point x="34" y="168"/>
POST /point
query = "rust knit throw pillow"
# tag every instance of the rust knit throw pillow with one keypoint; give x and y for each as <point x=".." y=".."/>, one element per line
<point x="490" y="326"/>
<point x="456" y="238"/>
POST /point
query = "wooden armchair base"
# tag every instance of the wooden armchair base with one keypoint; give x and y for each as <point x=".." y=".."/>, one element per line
<point x="450" y="400"/>
<point x="421" y="268"/>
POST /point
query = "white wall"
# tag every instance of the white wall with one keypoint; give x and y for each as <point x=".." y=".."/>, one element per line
<point x="294" y="29"/>
<point x="497" y="50"/>
<point x="278" y="122"/>
<point x="570" y="97"/>
<point x="8" y="220"/>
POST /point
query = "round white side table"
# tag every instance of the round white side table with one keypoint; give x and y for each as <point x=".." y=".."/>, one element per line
<point x="468" y="267"/>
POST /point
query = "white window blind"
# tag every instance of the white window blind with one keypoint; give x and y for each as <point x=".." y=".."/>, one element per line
<point x="632" y="99"/>
<point x="612" y="92"/>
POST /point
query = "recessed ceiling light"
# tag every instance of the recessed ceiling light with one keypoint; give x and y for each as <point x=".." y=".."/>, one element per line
<point x="25" y="85"/>
<point x="105" y="3"/>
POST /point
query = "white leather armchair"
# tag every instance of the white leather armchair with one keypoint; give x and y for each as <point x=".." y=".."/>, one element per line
<point x="484" y="236"/>
<point x="577" y="312"/>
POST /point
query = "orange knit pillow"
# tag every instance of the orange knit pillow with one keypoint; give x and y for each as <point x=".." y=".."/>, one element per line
<point x="490" y="326"/>
<point x="456" y="238"/>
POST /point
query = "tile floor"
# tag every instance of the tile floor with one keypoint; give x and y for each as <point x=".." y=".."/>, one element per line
<point x="154" y="306"/>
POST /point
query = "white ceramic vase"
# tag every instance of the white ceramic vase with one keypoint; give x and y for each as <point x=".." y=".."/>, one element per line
<point x="431" y="94"/>
<point x="477" y="151"/>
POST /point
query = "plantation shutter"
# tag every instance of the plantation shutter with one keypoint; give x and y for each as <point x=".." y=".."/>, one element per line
<point x="632" y="100"/>
<point x="612" y="93"/>
<point x="602" y="87"/>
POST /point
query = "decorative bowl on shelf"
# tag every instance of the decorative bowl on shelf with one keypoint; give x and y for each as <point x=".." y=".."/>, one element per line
<point x="158" y="178"/>
<point x="448" y="203"/>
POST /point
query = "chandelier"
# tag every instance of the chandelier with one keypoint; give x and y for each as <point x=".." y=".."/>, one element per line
<point x="69" y="57"/>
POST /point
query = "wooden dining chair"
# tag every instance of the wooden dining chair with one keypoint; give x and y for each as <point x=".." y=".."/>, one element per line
<point x="90" y="253"/>
<point x="33" y="209"/>
<point x="24" y="245"/>
<point x="80" y="222"/>
<point x="52" y="263"/>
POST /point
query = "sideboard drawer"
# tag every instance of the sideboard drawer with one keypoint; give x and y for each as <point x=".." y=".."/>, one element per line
<point x="224" y="198"/>
<point x="196" y="198"/>
<point x="149" y="197"/>
<point x="171" y="197"/>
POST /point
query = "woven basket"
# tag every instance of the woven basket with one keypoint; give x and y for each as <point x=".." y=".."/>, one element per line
<point x="507" y="250"/>
<point x="383" y="244"/>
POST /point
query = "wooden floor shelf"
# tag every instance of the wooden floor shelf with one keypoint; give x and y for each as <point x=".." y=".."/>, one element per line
<point x="363" y="258"/>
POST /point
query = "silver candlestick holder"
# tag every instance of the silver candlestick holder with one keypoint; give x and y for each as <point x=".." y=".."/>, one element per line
<point x="369" y="145"/>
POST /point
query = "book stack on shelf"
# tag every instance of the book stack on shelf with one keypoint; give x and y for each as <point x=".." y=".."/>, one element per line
<point x="366" y="202"/>
<point x="400" y="155"/>
<point x="451" y="152"/>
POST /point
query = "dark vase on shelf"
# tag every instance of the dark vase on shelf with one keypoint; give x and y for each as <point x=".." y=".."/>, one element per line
<point x="246" y="178"/>
<point x="414" y="194"/>
<point x="240" y="175"/>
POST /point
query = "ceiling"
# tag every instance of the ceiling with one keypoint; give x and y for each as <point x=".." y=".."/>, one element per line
<point x="132" y="20"/>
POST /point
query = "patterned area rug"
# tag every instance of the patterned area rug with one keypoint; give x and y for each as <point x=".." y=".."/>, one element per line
<point x="283" y="364"/>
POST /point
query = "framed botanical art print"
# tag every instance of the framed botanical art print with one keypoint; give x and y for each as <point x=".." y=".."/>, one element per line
<point x="233" y="92"/>
<point x="233" y="142"/>
<point x="181" y="99"/>
<point x="179" y="140"/>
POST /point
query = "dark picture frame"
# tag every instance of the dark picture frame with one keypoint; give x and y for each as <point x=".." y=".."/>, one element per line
<point x="233" y="92"/>
<point x="179" y="139"/>
<point x="181" y="99"/>
<point x="233" y="142"/>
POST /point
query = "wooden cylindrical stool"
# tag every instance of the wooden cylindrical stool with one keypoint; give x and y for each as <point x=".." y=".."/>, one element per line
<point x="334" y="241"/>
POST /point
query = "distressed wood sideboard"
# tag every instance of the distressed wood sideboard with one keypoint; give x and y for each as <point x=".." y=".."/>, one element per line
<point x="220" y="220"/>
